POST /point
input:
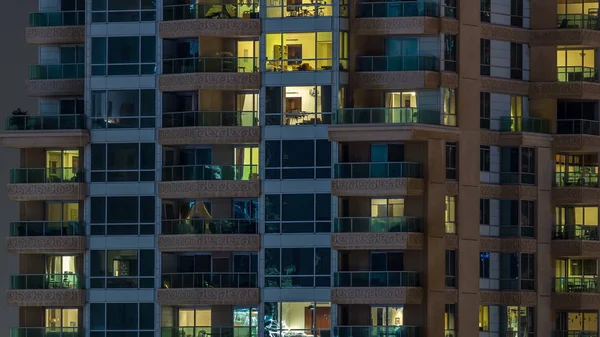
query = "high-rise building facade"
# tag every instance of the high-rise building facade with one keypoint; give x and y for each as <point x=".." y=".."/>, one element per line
<point x="308" y="168"/>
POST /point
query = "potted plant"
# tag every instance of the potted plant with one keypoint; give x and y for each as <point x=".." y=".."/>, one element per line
<point x="18" y="122"/>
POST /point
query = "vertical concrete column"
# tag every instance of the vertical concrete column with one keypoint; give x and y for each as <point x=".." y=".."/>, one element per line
<point x="544" y="262"/>
<point x="468" y="166"/>
<point x="434" y="276"/>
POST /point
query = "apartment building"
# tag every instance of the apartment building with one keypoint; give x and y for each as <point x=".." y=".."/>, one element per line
<point x="308" y="168"/>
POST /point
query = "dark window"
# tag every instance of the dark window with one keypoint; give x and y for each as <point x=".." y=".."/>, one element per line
<point x="517" y="271"/>
<point x="484" y="265"/>
<point x="123" y="109"/>
<point x="116" y="162"/>
<point x="484" y="211"/>
<point x="122" y="317"/>
<point x="484" y="110"/>
<point x="297" y="267"/>
<point x="486" y="10"/>
<point x="517" y="165"/>
<point x="122" y="215"/>
<point x="516" y="61"/>
<point x="450" y="9"/>
<point x="298" y="159"/>
<point x="297" y="213"/>
<point x="516" y="13"/>
<point x="122" y="269"/>
<point x="450" y="53"/>
<point x="124" y="55"/>
<point x="484" y="158"/>
<point x="451" y="161"/>
<point x="450" y="268"/>
<point x="123" y="10"/>
<point x="485" y="56"/>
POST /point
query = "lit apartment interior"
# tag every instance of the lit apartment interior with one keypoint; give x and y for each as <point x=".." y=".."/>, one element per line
<point x="577" y="117"/>
<point x="49" y="218"/>
<point x="187" y="321"/>
<point x="576" y="275"/>
<point x="577" y="323"/>
<point x="216" y="216"/>
<point x="299" y="51"/>
<point x="508" y="318"/>
<point x="39" y="271"/>
<point x="298" y="8"/>
<point x="576" y="64"/>
<point x="210" y="54"/>
<point x="57" y="321"/>
<point x="210" y="108"/>
<point x="217" y="162"/>
<point x="297" y="319"/>
<point x="302" y="105"/>
<point x="49" y="165"/>
<point x="576" y="222"/>
<point x="198" y="9"/>
<point x="364" y="214"/>
<point x="578" y="14"/>
<point x="209" y="270"/>
<point x="576" y="169"/>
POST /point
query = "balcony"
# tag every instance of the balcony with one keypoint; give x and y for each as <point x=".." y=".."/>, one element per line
<point x="47" y="332"/>
<point x="516" y="131"/>
<point x="377" y="179"/>
<point x="575" y="293"/>
<point x="56" y="80"/>
<point x="27" y="184"/>
<point x="209" y="235"/>
<point x="210" y="73"/>
<point x="391" y="124"/>
<point x="575" y="240"/>
<point x="209" y="181"/>
<point x="209" y="289"/>
<point x="46" y="290"/>
<point x="237" y="331"/>
<point x="572" y="29"/>
<point x="378" y="233"/>
<point x="574" y="333"/>
<point x="56" y="28"/>
<point x="576" y="188"/>
<point x="577" y="135"/>
<point x="376" y="287"/>
<point x="397" y="18"/>
<point x="397" y="72"/>
<point x="210" y="19"/>
<point x="59" y="131"/>
<point x="46" y="237"/>
<point x="209" y="127"/>
<point x="390" y="330"/>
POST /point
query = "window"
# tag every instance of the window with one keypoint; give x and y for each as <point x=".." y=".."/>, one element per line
<point x="484" y="110"/>
<point x="62" y="318"/>
<point x="123" y="10"/>
<point x="572" y="63"/>
<point x="517" y="271"/>
<point x="135" y="318"/>
<point x="517" y="218"/>
<point x="304" y="317"/>
<point x="451" y="161"/>
<point x="486" y="10"/>
<point x="485" y="56"/>
<point x="527" y="219"/>
<point x="123" y="109"/>
<point x="519" y="320"/>
<point x="299" y="8"/>
<point x="450" y="318"/>
<point x="517" y="165"/>
<point x="124" y="55"/>
<point x="297" y="267"/>
<point x="344" y="50"/>
<point x="298" y="105"/>
<point x="450" y="268"/>
<point x="516" y="13"/>
<point x="122" y="215"/>
<point x="450" y="215"/>
<point x="484" y="211"/>
<point x="484" y="265"/>
<point x="298" y="213"/>
<point x="484" y="318"/>
<point x="484" y="158"/>
<point x="516" y="60"/>
<point x="449" y="106"/>
<point x="298" y="159"/>
<point x="450" y="53"/>
<point x="114" y="162"/>
<point x="122" y="268"/>
<point x="306" y="52"/>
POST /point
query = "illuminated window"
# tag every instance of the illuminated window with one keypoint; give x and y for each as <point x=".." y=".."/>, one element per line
<point x="450" y="215"/>
<point x="484" y="318"/>
<point x="299" y="51"/>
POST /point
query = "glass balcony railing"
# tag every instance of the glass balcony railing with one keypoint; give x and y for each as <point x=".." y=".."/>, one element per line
<point x="397" y="63"/>
<point x="55" y="19"/>
<point x="210" y="172"/>
<point x="575" y="285"/>
<point x="388" y="116"/>
<point x="43" y="122"/>
<point x="377" y="331"/>
<point x="377" y="170"/>
<point x="572" y="333"/>
<point x="47" y="175"/>
<point x="403" y="224"/>
<point x="576" y="179"/>
<point x="56" y="71"/>
<point x="46" y="281"/>
<point x="46" y="228"/>
<point x="578" y="21"/>
<point x="213" y="64"/>
<point x="575" y="232"/>
<point x="47" y="332"/>
<point x="577" y="74"/>
<point x="209" y="226"/>
<point x="398" y="9"/>
<point x="182" y="331"/>
<point x="577" y="127"/>
<point x="232" y="10"/>
<point x="209" y="118"/>
<point x="376" y="279"/>
<point x="517" y="124"/>
<point x="209" y="280"/>
<point x="305" y="9"/>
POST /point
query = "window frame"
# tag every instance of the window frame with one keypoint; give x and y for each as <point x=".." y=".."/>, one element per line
<point x="145" y="118"/>
<point x="142" y="174"/>
<point x="485" y="110"/>
<point x="104" y="317"/>
<point x="144" y="13"/>
<point x="141" y="281"/>
<point x="143" y="68"/>
<point x="276" y="171"/>
<point x="277" y="280"/>
<point x="279" y="117"/>
<point x="142" y="227"/>
<point x="276" y="225"/>
<point x="484" y="265"/>
<point x="516" y="60"/>
<point x="451" y="268"/>
<point x="485" y="52"/>
<point x="450" y="203"/>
